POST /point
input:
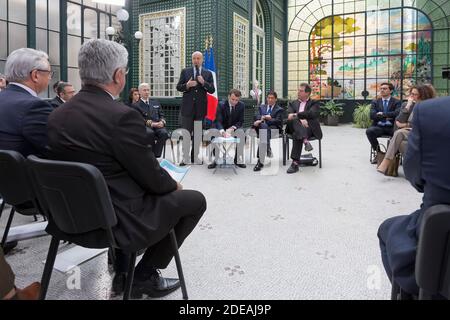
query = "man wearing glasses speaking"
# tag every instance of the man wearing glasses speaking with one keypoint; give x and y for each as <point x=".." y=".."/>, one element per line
<point x="23" y="115"/>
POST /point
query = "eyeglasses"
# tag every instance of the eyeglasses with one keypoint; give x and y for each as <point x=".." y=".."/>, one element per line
<point x="50" y="73"/>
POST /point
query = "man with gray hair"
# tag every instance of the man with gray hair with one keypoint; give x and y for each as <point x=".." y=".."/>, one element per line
<point x="94" y="128"/>
<point x="195" y="83"/>
<point x="23" y="115"/>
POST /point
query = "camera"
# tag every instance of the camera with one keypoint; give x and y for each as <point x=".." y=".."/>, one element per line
<point x="446" y="73"/>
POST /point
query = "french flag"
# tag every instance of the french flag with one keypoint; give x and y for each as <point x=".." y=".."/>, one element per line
<point x="213" y="99"/>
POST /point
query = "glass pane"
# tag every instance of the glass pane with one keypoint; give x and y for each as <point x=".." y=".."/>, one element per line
<point x="383" y="44"/>
<point x="74" y="19"/>
<point x="53" y="12"/>
<point x="20" y="37"/>
<point x="73" y="47"/>
<point x="90" y="24"/>
<point x="18" y="11"/>
<point x="54" y="48"/>
<point x="41" y="13"/>
<point x="3" y="9"/>
<point x="395" y="20"/>
<point x="395" y="46"/>
<point x="41" y="40"/>
<point x="3" y="41"/>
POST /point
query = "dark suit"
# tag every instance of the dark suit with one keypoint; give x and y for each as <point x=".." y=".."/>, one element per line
<point x="376" y="131"/>
<point x="298" y="131"/>
<point x="227" y="118"/>
<point x="426" y="167"/>
<point x="23" y="121"/>
<point x="56" y="102"/>
<point x="275" y="124"/>
<point x="93" y="128"/>
<point x="194" y="104"/>
<point x="153" y="112"/>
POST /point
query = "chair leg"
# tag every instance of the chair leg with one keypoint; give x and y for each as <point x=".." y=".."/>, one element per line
<point x="49" y="263"/>
<point x="2" y="206"/>
<point x="130" y="277"/>
<point x="320" y="154"/>
<point x="173" y="152"/>
<point x="284" y="150"/>
<point x="8" y="226"/>
<point x="178" y="263"/>
<point x="287" y="148"/>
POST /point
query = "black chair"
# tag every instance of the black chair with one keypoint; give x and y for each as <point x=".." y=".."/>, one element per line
<point x="15" y="189"/>
<point x="76" y="199"/>
<point x="433" y="253"/>
<point x="432" y="268"/>
<point x="289" y="137"/>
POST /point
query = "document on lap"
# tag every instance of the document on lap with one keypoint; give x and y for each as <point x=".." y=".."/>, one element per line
<point x="177" y="173"/>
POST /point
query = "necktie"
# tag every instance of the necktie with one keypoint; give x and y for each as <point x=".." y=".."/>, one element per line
<point x="385" y="105"/>
<point x="269" y="112"/>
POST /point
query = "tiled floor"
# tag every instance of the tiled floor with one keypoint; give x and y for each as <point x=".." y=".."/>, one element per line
<point x="312" y="235"/>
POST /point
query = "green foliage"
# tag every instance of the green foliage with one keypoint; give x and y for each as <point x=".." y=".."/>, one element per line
<point x="331" y="108"/>
<point x="361" y="116"/>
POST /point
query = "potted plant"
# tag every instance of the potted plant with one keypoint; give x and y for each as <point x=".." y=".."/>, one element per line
<point x="331" y="111"/>
<point x="361" y="116"/>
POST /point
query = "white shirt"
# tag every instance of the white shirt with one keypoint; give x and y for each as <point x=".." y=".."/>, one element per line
<point x="28" y="89"/>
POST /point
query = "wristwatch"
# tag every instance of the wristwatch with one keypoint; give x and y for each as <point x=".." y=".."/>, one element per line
<point x="149" y="123"/>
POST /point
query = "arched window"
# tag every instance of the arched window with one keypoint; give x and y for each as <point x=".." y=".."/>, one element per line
<point x="259" y="36"/>
<point x="354" y="53"/>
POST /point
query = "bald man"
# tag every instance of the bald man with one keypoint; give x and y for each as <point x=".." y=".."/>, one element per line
<point x="195" y="82"/>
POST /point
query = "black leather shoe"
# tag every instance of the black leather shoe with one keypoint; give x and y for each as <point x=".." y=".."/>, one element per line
<point x="155" y="287"/>
<point x="293" y="168"/>
<point x="212" y="166"/>
<point x="258" y="167"/>
<point x="242" y="166"/>
<point x="9" y="246"/>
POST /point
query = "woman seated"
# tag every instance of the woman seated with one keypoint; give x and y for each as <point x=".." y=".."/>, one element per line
<point x="403" y="124"/>
<point x="133" y="97"/>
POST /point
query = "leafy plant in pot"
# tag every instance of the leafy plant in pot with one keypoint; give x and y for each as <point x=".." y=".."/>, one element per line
<point x="330" y="111"/>
<point x="361" y="116"/>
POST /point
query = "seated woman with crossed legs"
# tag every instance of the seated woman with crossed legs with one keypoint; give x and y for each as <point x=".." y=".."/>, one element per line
<point x="403" y="124"/>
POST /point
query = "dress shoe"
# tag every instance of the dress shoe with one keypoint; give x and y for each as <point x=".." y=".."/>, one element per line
<point x="9" y="246"/>
<point x="258" y="167"/>
<point x="182" y="164"/>
<point x="308" y="147"/>
<point x="29" y="293"/>
<point x="374" y="161"/>
<point x="293" y="168"/>
<point x="242" y="165"/>
<point x="155" y="286"/>
<point x="212" y="166"/>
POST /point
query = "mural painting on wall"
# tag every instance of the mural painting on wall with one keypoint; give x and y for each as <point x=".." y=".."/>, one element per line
<point x="345" y="60"/>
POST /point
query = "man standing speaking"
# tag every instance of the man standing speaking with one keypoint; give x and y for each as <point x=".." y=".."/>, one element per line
<point x="195" y="83"/>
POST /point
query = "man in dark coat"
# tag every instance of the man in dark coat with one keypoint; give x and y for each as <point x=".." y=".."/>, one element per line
<point x="426" y="167"/>
<point x="94" y="128"/>
<point x="195" y="83"/>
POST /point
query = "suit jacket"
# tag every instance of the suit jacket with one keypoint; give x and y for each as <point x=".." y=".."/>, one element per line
<point x="151" y="112"/>
<point x="405" y="114"/>
<point x="311" y="113"/>
<point x="93" y="128"/>
<point x="56" y="102"/>
<point x="225" y="119"/>
<point x="377" y="106"/>
<point x="276" y="114"/>
<point x="195" y="99"/>
<point x="426" y="167"/>
<point x="23" y="121"/>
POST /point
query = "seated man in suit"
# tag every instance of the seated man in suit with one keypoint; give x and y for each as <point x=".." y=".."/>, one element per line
<point x="93" y="128"/>
<point x="64" y="92"/>
<point x="383" y="113"/>
<point x="268" y="117"/>
<point x="426" y="167"/>
<point x="230" y="117"/>
<point x="154" y="119"/>
<point x="23" y="115"/>
<point x="303" y="123"/>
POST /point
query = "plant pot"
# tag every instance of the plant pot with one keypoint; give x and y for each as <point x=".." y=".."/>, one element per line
<point x="331" y="121"/>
